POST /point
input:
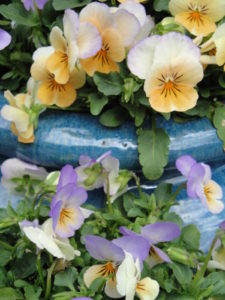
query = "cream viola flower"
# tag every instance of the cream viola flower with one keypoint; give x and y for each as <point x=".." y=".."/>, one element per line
<point x="169" y="83"/>
<point x="198" y="17"/>
<point x="16" y="112"/>
<point x="117" y="30"/>
<point x="218" y="257"/>
<point x="45" y="238"/>
<point x="80" y="41"/>
<point x="216" y="46"/>
<point x="129" y="283"/>
<point x="50" y="91"/>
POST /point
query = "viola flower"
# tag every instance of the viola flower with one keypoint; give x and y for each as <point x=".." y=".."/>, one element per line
<point x="44" y="238"/>
<point x="112" y="255"/>
<point x="30" y="4"/>
<point x="5" y="39"/>
<point x="218" y="257"/>
<point x="117" y="30"/>
<point x="169" y="83"/>
<point x="199" y="183"/>
<point x="51" y="92"/>
<point x="154" y="234"/>
<point x="198" y="17"/>
<point x="17" y="113"/>
<point x="129" y="281"/>
<point x="65" y="211"/>
<point x="80" y="41"/>
<point x="215" y="47"/>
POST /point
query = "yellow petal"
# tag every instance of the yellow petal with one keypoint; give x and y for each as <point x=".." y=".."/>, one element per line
<point x="57" y="40"/>
<point x="77" y="78"/>
<point x="66" y="96"/>
<point x="110" y="288"/>
<point x="57" y="64"/>
<point x="196" y="23"/>
<point x="26" y="141"/>
<point x="147" y="289"/>
<point x="112" y="40"/>
<point x="9" y="96"/>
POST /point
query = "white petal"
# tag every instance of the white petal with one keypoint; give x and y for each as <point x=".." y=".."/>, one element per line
<point x="89" y="40"/>
<point x="215" y="206"/>
<point x="86" y="212"/>
<point x="67" y="249"/>
<point x="32" y="234"/>
<point x="145" y="29"/>
<point x="9" y="96"/>
<point x="128" y="26"/>
<point x="111" y="289"/>
<point x="136" y="9"/>
<point x="147" y="289"/>
<point x="57" y="40"/>
<point x="50" y="245"/>
<point x="215" y="265"/>
<point x="92" y="273"/>
<point x="71" y="25"/>
<point x="140" y="57"/>
<point x="43" y="52"/>
<point x="19" y="117"/>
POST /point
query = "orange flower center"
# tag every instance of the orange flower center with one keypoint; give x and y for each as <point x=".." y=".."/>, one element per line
<point x="140" y="286"/>
<point x="102" y="54"/>
<point x="208" y="192"/>
<point x="53" y="85"/>
<point x="197" y="12"/>
<point x="108" y="269"/>
<point x="65" y="215"/>
<point x="170" y="84"/>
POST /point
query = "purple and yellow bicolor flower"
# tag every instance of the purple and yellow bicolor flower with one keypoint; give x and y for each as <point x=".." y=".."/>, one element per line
<point x="65" y="211"/>
<point x="199" y="183"/>
<point x="154" y="234"/>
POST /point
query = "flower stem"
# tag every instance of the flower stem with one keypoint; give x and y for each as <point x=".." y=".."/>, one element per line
<point x="39" y="269"/>
<point x="49" y="280"/>
<point x="137" y="180"/>
<point x="6" y="245"/>
<point x="108" y="193"/>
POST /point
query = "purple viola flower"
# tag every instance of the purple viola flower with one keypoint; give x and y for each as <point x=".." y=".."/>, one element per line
<point x="65" y="210"/>
<point x="199" y="183"/>
<point x="153" y="234"/>
<point x="5" y="39"/>
<point x="29" y="4"/>
<point x="111" y="255"/>
<point x="222" y="225"/>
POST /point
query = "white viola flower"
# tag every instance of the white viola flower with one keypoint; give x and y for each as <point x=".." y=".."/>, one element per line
<point x="169" y="83"/>
<point x="44" y="238"/>
<point x="218" y="257"/>
<point x="129" y="283"/>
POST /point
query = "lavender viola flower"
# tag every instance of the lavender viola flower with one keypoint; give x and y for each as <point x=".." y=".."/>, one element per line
<point x="111" y="255"/>
<point x="5" y="39"/>
<point x="199" y="183"/>
<point x="153" y="234"/>
<point x="29" y="4"/>
<point x="222" y="225"/>
<point x="65" y="211"/>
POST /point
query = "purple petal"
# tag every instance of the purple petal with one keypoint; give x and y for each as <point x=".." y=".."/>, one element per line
<point x="41" y="3"/>
<point x="127" y="232"/>
<point x="26" y="223"/>
<point x="71" y="195"/>
<point x="5" y="39"/>
<point x="222" y="225"/>
<point x="67" y="176"/>
<point x="160" y="232"/>
<point x="55" y="212"/>
<point x="184" y="164"/>
<point x="195" y="179"/>
<point x="103" y="156"/>
<point x="102" y="249"/>
<point x="137" y="246"/>
<point x="28" y="4"/>
<point x="161" y="254"/>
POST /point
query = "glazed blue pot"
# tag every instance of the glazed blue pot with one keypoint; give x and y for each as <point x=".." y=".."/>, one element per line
<point x="62" y="137"/>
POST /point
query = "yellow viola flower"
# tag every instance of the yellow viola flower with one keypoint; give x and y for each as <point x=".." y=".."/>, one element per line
<point x="215" y="47"/>
<point x="169" y="82"/>
<point x="117" y="30"/>
<point x="199" y="17"/>
<point x="79" y="40"/>
<point x="50" y="91"/>
<point x="16" y="113"/>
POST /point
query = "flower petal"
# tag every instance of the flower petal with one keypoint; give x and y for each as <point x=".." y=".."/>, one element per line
<point x="147" y="289"/>
<point x="184" y="164"/>
<point x="195" y="179"/>
<point x="102" y="249"/>
<point x="57" y="64"/>
<point x="57" y="40"/>
<point x="5" y="39"/>
<point x="16" y="115"/>
<point x="77" y="78"/>
<point x="111" y="288"/>
<point x="67" y="175"/>
<point x="71" y="25"/>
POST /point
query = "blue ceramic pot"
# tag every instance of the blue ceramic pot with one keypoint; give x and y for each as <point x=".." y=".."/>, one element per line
<point x="62" y="137"/>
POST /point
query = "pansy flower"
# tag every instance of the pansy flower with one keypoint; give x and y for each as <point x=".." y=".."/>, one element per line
<point x="199" y="183"/>
<point x="51" y="92"/>
<point x="218" y="257"/>
<point x="45" y="238"/>
<point x="154" y="234"/>
<point x="17" y="113"/>
<point x="198" y="17"/>
<point x="79" y="40"/>
<point x="30" y="4"/>
<point x="65" y="211"/>
<point x="111" y="255"/>
<point x="5" y="39"/>
<point x="129" y="281"/>
<point x="117" y="30"/>
<point x="169" y="83"/>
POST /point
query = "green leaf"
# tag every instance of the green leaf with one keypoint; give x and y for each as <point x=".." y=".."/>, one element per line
<point x="191" y="236"/>
<point x="109" y="84"/>
<point x="3" y="279"/>
<point x="202" y="109"/>
<point x="221" y="80"/>
<point x="8" y="293"/>
<point x="113" y="117"/>
<point x="61" y="5"/>
<point x="16" y="12"/>
<point x="5" y="256"/>
<point x="153" y="147"/>
<point x="66" y="278"/>
<point x="97" y="102"/>
<point x="163" y="193"/>
<point x="219" y="123"/>
<point x="173" y="217"/>
<point x="135" y="212"/>
<point x="25" y="266"/>
<point x="161" y="5"/>
<point x="182" y="273"/>
<point x="98" y="284"/>
<point x="31" y="293"/>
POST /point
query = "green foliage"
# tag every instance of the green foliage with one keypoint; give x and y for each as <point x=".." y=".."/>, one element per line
<point x="109" y="84"/>
<point x="161" y="5"/>
<point x="62" y="5"/>
<point x="113" y="117"/>
<point x="153" y="148"/>
<point x="219" y="122"/>
<point x="97" y="102"/>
